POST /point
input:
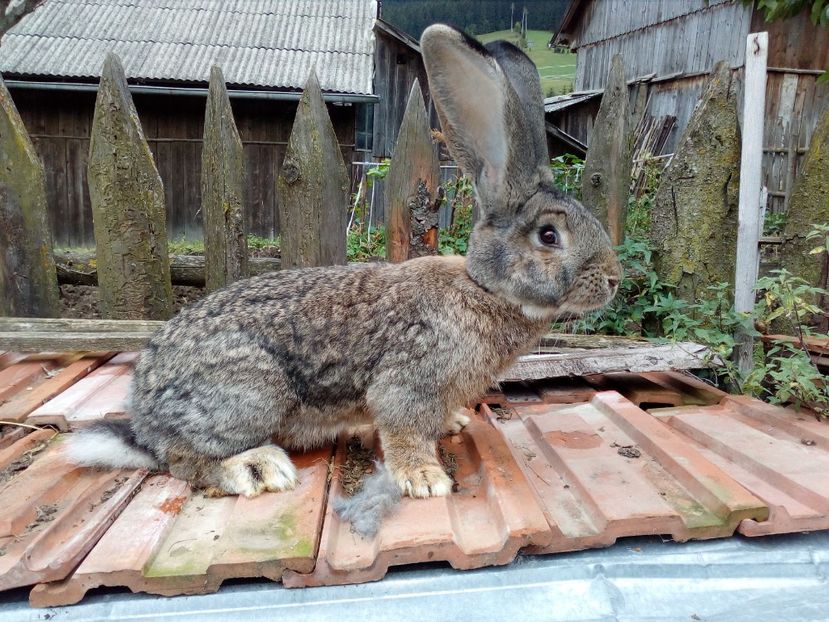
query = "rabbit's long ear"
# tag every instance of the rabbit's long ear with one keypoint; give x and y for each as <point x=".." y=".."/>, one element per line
<point x="525" y="81"/>
<point x="495" y="131"/>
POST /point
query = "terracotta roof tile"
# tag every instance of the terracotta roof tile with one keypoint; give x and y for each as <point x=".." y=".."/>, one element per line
<point x="53" y="512"/>
<point x="171" y="540"/>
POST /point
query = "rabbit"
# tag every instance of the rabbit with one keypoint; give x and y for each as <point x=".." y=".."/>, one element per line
<point x="302" y="355"/>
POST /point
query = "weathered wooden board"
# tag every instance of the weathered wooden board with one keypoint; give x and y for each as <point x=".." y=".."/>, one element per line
<point x="606" y="179"/>
<point x="127" y="206"/>
<point x="222" y="181"/>
<point x="27" y="271"/>
<point x="81" y="268"/>
<point x="70" y="335"/>
<point x="584" y="361"/>
<point x="312" y="187"/>
<point x="411" y="187"/>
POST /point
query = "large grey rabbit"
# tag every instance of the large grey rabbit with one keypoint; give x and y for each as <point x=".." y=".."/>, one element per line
<point x="301" y="355"/>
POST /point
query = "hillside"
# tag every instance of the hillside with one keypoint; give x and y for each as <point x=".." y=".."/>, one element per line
<point x="556" y="70"/>
<point x="473" y="16"/>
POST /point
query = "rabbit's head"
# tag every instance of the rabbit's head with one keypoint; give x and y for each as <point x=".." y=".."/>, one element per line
<point x="533" y="245"/>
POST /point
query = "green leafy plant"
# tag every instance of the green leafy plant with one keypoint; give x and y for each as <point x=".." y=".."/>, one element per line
<point x="819" y="234"/>
<point x="567" y="171"/>
<point x="378" y="172"/>
<point x="774" y="10"/>
<point x="774" y="224"/>
<point x="787" y="299"/>
<point x="365" y="245"/>
<point x="459" y="194"/>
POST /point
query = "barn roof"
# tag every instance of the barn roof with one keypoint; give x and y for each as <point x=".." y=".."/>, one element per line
<point x="262" y="43"/>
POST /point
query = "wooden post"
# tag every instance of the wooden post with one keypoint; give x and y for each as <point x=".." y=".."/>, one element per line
<point x="694" y="213"/>
<point x="127" y="207"/>
<point x="312" y="187"/>
<point x="222" y="183"/>
<point x="809" y="205"/>
<point x="751" y="164"/>
<point x="411" y="186"/>
<point x="28" y="285"/>
<point x="606" y="178"/>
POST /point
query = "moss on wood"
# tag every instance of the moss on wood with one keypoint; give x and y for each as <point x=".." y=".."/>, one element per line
<point x="312" y="187"/>
<point x="28" y="282"/>
<point x="694" y="217"/>
<point x="222" y="182"/>
<point x="127" y="207"/>
<point x="809" y="205"/>
<point x="606" y="178"/>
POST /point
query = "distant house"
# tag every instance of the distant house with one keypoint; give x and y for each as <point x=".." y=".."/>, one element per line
<point x="669" y="48"/>
<point x="51" y="62"/>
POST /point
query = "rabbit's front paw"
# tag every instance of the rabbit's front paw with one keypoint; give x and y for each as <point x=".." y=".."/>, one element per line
<point x="257" y="470"/>
<point x="455" y="422"/>
<point x="428" y="480"/>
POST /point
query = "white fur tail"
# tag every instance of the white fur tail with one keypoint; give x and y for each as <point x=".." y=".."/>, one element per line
<point x="109" y="444"/>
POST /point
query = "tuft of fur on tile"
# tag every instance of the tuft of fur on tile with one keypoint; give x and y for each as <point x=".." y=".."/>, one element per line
<point x="375" y="500"/>
<point x="109" y="443"/>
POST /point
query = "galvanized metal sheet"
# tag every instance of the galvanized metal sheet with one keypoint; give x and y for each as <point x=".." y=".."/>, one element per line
<point x="638" y="580"/>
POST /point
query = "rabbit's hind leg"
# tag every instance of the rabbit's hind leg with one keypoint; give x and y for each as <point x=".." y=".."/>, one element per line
<point x="250" y="473"/>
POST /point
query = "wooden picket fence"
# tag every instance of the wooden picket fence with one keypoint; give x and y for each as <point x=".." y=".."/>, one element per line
<point x="132" y="267"/>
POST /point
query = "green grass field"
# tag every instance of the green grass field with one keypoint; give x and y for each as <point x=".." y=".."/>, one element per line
<point x="557" y="70"/>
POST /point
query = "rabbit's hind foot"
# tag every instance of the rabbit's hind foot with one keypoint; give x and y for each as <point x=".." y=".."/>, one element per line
<point x="427" y="480"/>
<point x="252" y="472"/>
<point x="413" y="465"/>
<point x="456" y="421"/>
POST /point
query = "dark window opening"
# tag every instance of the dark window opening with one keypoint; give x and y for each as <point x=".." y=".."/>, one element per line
<point x="365" y="127"/>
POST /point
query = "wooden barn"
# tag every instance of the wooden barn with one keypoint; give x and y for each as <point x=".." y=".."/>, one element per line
<point x="669" y="49"/>
<point x="51" y="62"/>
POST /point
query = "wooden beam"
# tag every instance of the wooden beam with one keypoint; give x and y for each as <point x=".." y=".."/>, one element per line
<point x="562" y="355"/>
<point x="581" y="362"/>
<point x="81" y="268"/>
<point x="749" y="228"/>
<point x="605" y="182"/>
<point x="72" y="335"/>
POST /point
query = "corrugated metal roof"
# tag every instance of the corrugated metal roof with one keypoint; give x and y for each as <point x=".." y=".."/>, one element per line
<point x="265" y="43"/>
<point x="559" y="102"/>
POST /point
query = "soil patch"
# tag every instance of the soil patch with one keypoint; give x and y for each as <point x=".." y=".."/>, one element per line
<point x="44" y="514"/>
<point x="450" y="465"/>
<point x="22" y="463"/>
<point x="359" y="461"/>
<point x="82" y="301"/>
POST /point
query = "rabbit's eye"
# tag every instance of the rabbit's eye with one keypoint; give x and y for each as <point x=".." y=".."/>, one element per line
<point x="548" y="235"/>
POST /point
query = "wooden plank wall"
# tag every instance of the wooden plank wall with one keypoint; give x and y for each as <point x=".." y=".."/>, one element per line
<point x="689" y="44"/>
<point x="396" y="68"/>
<point x="680" y="42"/>
<point x="604" y="19"/>
<point x="794" y="101"/>
<point x="60" y="122"/>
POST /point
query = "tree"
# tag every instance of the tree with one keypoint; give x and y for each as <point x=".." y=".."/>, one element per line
<point x="12" y="11"/>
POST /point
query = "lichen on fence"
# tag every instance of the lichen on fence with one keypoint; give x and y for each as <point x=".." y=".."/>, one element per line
<point x="28" y="282"/>
<point x="127" y="207"/>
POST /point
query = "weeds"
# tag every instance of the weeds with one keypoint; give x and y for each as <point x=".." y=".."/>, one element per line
<point x="783" y="373"/>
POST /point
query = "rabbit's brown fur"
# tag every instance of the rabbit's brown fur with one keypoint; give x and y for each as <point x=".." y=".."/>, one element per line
<point x="301" y="355"/>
